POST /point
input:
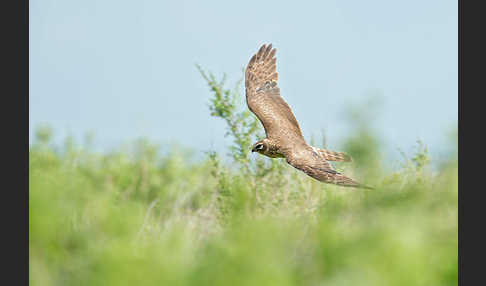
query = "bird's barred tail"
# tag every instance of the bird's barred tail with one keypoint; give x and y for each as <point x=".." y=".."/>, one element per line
<point x="333" y="155"/>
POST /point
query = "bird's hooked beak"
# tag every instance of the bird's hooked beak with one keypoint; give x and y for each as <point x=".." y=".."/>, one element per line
<point x="253" y="149"/>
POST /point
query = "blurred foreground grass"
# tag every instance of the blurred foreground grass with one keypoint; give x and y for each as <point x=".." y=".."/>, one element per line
<point x="136" y="217"/>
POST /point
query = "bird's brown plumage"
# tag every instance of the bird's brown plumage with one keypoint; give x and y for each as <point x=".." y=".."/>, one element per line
<point x="334" y="156"/>
<point x="284" y="136"/>
<point x="264" y="100"/>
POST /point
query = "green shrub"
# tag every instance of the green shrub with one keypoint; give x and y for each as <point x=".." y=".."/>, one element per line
<point x="142" y="216"/>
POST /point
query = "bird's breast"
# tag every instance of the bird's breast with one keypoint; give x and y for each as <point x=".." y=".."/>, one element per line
<point x="274" y="154"/>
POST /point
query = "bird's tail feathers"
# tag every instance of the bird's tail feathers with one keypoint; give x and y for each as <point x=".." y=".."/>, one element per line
<point x="333" y="155"/>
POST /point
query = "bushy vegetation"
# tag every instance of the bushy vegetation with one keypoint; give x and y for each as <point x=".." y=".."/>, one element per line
<point x="137" y="217"/>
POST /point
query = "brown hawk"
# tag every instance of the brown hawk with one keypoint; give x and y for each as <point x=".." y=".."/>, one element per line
<point x="284" y="138"/>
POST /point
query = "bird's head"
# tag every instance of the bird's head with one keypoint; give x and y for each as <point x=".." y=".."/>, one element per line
<point x="259" y="146"/>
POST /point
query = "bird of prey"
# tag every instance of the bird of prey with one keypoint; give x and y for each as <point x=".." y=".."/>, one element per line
<point x="284" y="138"/>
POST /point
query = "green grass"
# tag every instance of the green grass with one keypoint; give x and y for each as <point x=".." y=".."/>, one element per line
<point x="137" y="217"/>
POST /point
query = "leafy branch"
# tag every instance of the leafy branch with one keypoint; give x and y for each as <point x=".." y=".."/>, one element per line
<point x="242" y="126"/>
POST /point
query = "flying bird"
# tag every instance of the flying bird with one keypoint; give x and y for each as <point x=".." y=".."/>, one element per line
<point x="283" y="135"/>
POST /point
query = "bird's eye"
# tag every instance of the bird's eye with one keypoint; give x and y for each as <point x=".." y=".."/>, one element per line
<point x="259" y="147"/>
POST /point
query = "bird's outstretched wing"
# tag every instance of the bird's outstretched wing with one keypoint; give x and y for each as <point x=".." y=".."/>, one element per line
<point x="314" y="165"/>
<point x="264" y="100"/>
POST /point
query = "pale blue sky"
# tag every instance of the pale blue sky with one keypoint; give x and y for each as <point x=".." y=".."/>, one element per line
<point x="125" y="69"/>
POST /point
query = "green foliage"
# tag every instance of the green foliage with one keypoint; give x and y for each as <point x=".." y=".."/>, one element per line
<point x="254" y="173"/>
<point x="242" y="125"/>
<point x="146" y="214"/>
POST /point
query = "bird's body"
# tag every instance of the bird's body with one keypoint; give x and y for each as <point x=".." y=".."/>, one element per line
<point x="284" y="137"/>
